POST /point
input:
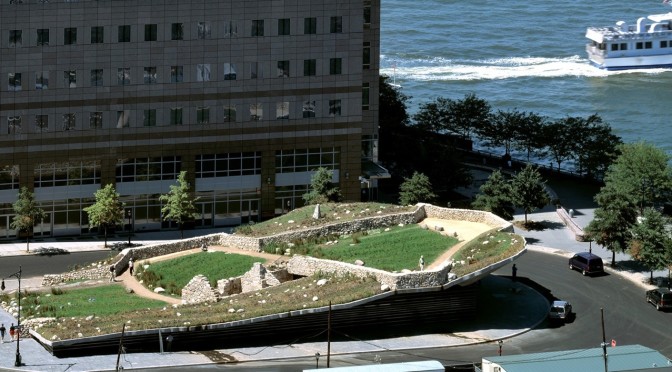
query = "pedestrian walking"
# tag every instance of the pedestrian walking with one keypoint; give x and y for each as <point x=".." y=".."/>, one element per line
<point x="2" y="333"/>
<point x="12" y="331"/>
<point x="112" y="273"/>
<point x="130" y="266"/>
<point x="514" y="271"/>
<point x="422" y="263"/>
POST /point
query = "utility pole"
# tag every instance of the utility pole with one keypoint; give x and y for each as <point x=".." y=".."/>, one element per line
<point x="329" y="335"/>
<point x="604" y="342"/>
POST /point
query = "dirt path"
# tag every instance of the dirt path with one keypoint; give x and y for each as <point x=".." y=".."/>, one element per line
<point x="132" y="283"/>
<point x="466" y="231"/>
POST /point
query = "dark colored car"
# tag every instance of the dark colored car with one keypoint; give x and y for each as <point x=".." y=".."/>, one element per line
<point x="661" y="298"/>
<point x="587" y="263"/>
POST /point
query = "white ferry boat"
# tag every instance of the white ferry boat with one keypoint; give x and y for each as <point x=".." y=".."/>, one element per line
<point x="646" y="44"/>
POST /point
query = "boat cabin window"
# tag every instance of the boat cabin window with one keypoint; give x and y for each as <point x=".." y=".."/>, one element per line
<point x="617" y="46"/>
<point x="644" y="45"/>
<point x="663" y="43"/>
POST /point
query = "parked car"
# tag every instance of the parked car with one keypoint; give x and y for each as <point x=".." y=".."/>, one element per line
<point x="560" y="311"/>
<point x="587" y="263"/>
<point x="661" y="298"/>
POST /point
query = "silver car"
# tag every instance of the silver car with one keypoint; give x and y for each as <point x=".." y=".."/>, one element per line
<point x="560" y="310"/>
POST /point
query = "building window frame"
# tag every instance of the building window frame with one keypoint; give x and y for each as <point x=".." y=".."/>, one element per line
<point x="97" y="34"/>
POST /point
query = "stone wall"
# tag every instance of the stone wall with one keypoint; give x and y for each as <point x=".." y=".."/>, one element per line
<point x="98" y="272"/>
<point x="470" y="215"/>
<point x="228" y="287"/>
<point x="198" y="290"/>
<point x="306" y="266"/>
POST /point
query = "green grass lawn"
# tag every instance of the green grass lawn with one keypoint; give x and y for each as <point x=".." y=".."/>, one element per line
<point x="394" y="250"/>
<point x="106" y="300"/>
<point x="174" y="274"/>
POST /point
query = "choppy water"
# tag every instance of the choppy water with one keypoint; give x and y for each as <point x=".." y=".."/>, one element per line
<point x="528" y="55"/>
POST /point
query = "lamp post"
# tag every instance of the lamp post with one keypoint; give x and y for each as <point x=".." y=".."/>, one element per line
<point x="129" y="214"/>
<point x="17" y="275"/>
<point x="317" y="360"/>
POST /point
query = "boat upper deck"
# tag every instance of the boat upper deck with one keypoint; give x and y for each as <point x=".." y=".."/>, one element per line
<point x="645" y="27"/>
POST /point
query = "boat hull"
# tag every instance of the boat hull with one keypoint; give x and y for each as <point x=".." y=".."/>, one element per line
<point x="631" y="63"/>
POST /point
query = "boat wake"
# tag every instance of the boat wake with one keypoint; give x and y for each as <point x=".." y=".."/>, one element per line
<point x="495" y="69"/>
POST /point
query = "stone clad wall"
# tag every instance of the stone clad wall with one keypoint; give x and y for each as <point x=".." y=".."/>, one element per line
<point x="469" y="215"/>
<point x="306" y="266"/>
<point x="198" y="290"/>
<point x="100" y="272"/>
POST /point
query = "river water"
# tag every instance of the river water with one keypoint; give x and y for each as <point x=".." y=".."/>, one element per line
<point x="528" y="55"/>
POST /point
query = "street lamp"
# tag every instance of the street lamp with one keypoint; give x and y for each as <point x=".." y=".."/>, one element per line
<point x="17" y="275"/>
<point x="317" y="360"/>
<point x="129" y="214"/>
<point x="500" y="342"/>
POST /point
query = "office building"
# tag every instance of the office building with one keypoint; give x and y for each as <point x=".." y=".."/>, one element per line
<point x="248" y="97"/>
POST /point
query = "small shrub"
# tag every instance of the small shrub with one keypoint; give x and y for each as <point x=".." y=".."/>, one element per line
<point x="149" y="278"/>
<point x="243" y="230"/>
<point x="56" y="291"/>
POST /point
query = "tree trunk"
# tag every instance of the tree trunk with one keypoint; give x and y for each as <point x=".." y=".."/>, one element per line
<point x="181" y="230"/>
<point x="613" y="258"/>
<point x="27" y="243"/>
<point x="105" y="234"/>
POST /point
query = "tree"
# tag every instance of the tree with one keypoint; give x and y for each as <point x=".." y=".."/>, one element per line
<point x="434" y="116"/>
<point x="612" y="221"/>
<point x="461" y="117"/>
<point x="500" y="130"/>
<point x="107" y="210"/>
<point x="322" y="190"/>
<point x="597" y="146"/>
<point x="392" y="106"/>
<point x="642" y="173"/>
<point x="651" y="243"/>
<point x="468" y="115"/>
<point x="179" y="203"/>
<point x="27" y="214"/>
<point x="416" y="189"/>
<point x="496" y="196"/>
<point x="560" y="140"/>
<point x="529" y="190"/>
<point x="530" y="134"/>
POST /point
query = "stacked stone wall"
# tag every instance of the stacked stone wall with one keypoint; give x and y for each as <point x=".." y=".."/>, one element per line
<point x="99" y="272"/>
<point x="469" y="215"/>
<point x="306" y="266"/>
<point x="198" y="290"/>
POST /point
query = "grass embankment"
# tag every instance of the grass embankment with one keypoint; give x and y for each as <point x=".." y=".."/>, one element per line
<point x="108" y="300"/>
<point x="173" y="275"/>
<point x="301" y="218"/>
<point x="390" y="249"/>
<point x="486" y="250"/>
<point x="295" y="295"/>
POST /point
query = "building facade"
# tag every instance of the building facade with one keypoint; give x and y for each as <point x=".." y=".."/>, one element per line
<point x="248" y="97"/>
